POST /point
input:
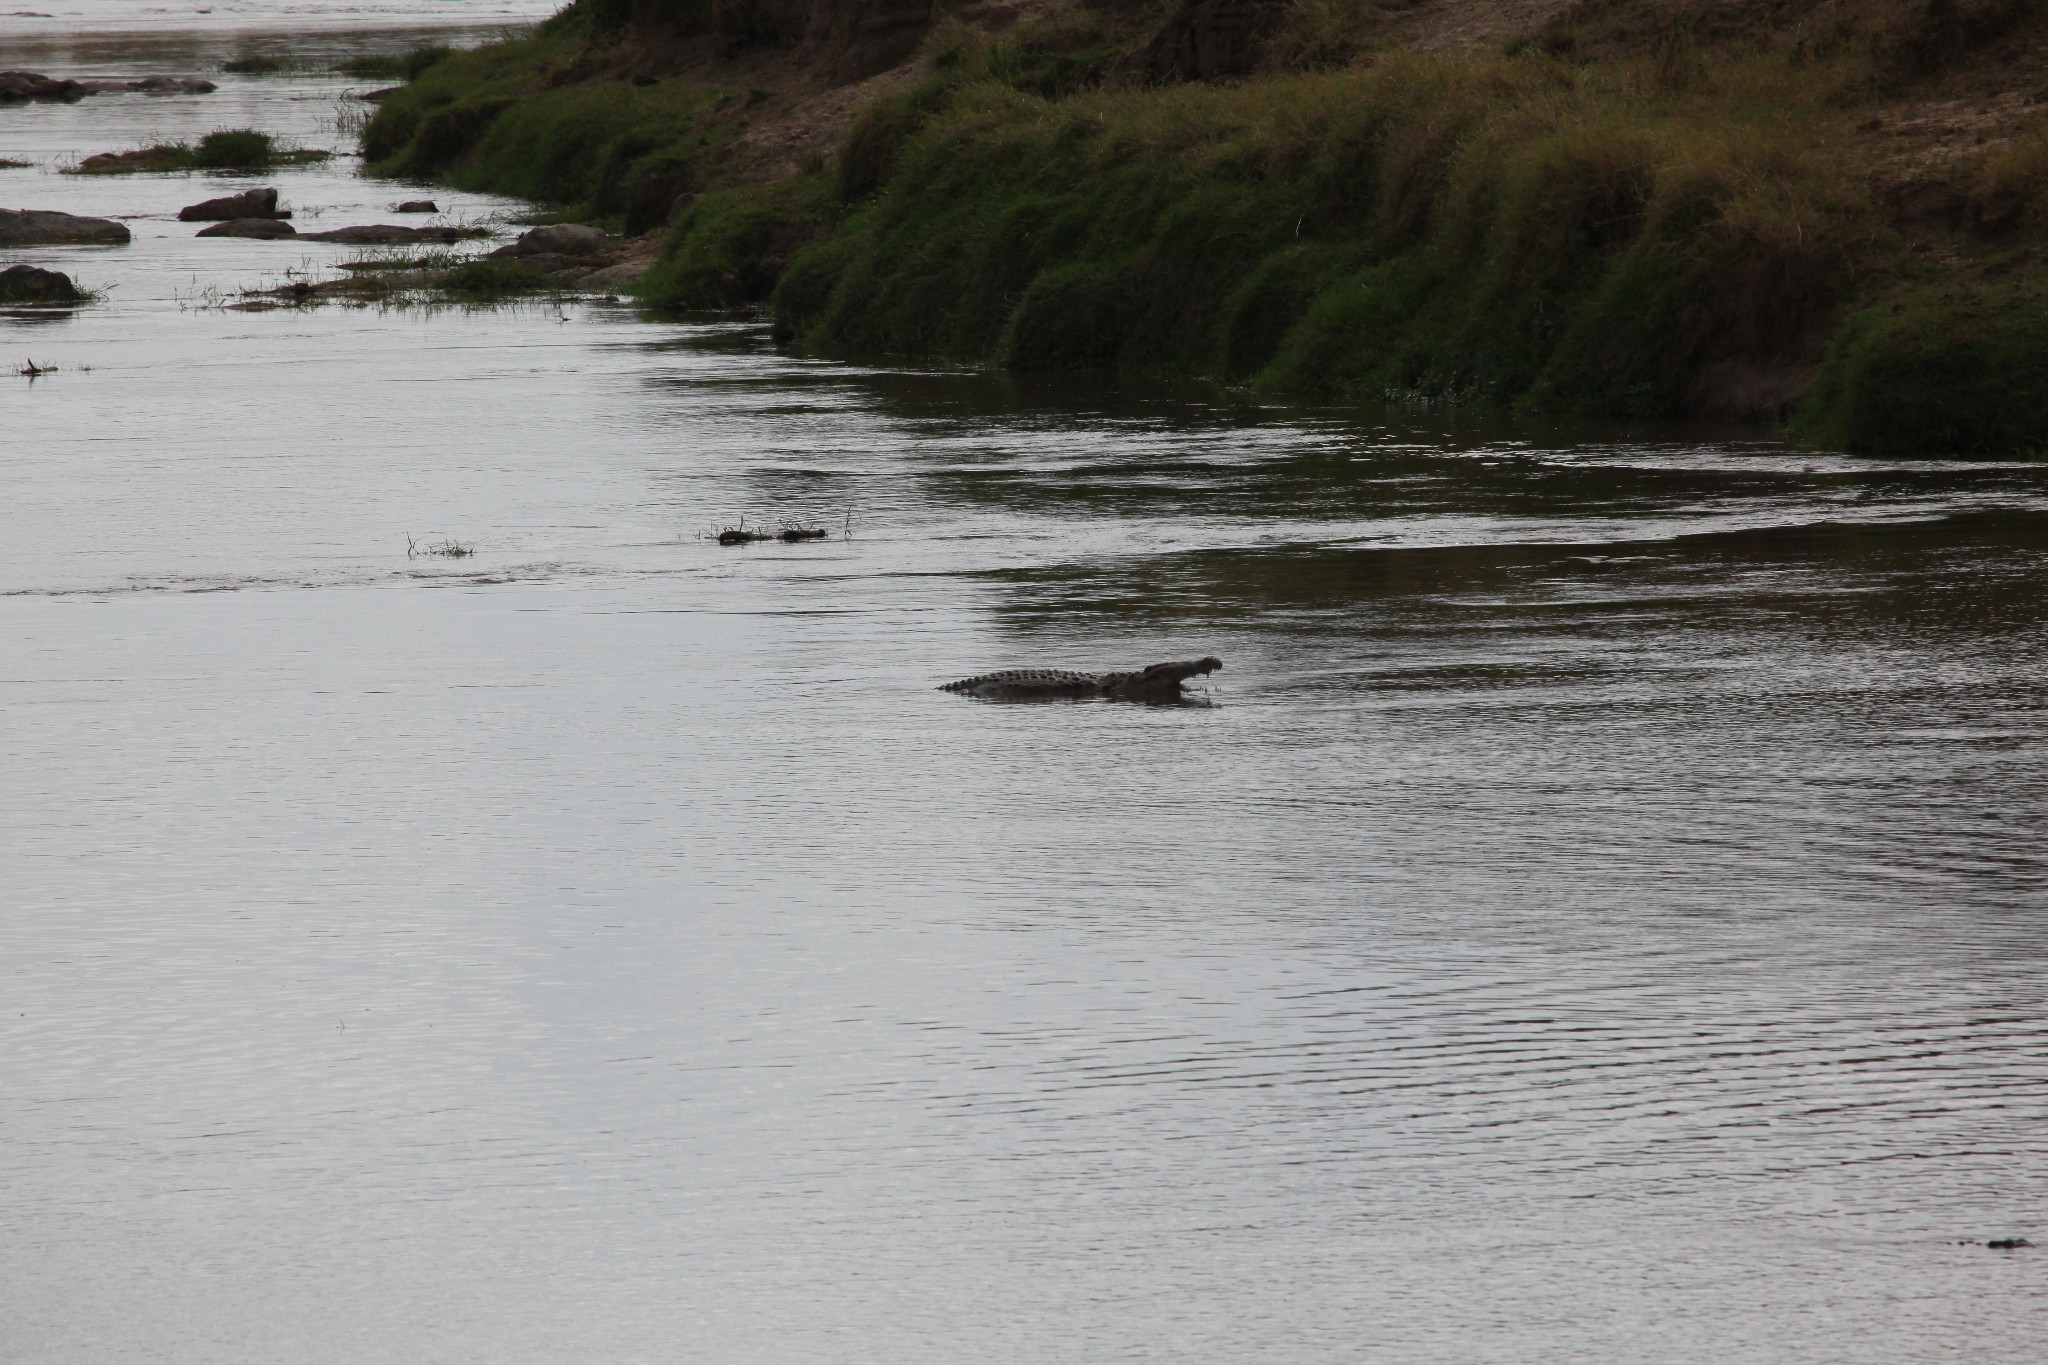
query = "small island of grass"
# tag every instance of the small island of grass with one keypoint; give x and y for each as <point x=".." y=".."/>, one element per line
<point x="226" y="149"/>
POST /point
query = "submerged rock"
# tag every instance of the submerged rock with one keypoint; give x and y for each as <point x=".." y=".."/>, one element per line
<point x="547" y="263"/>
<point x="624" y="275"/>
<point x="28" y="284"/>
<point x="140" y="159"/>
<point x="417" y="206"/>
<point x="389" y="234"/>
<point x="249" y="227"/>
<point x="171" y="85"/>
<point x="559" y="239"/>
<point x="17" y="87"/>
<point x="47" y="227"/>
<point x="248" y="204"/>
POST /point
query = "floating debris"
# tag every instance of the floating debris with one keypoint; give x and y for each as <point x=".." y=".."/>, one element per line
<point x="789" y="533"/>
<point x="446" y="549"/>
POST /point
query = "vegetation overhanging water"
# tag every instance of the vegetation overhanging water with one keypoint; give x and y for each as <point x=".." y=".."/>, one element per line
<point x="1818" y="214"/>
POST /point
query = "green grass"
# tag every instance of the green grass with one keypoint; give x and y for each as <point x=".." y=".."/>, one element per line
<point x="485" y="119"/>
<point x="480" y="281"/>
<point x="401" y="259"/>
<point x="731" y="247"/>
<point x="234" y="149"/>
<point x="1459" y="226"/>
<point x="1613" y="220"/>
<point x="1939" y="369"/>
<point x="394" y="66"/>
<point x="226" y="149"/>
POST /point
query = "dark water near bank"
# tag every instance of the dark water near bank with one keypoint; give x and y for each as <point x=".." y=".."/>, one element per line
<point x="1599" y="918"/>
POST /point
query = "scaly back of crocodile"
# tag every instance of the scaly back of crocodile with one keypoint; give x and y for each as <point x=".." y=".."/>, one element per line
<point x="1027" y="682"/>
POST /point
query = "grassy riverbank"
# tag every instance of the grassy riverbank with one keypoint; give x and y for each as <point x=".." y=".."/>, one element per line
<point x="1833" y="220"/>
<point x="499" y="118"/>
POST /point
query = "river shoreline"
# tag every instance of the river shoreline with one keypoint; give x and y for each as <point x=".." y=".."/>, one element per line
<point x="1593" y="228"/>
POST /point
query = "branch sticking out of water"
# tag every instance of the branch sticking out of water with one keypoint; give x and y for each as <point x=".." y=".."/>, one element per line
<point x="790" y="532"/>
<point x="446" y="549"/>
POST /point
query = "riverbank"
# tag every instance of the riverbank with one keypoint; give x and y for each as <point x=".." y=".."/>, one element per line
<point x="1822" y="216"/>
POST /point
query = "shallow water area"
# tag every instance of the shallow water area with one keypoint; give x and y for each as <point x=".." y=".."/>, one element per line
<point x="1597" y="916"/>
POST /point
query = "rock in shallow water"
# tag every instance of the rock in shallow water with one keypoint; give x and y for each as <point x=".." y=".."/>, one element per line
<point x="624" y="275"/>
<point x="249" y="227"/>
<point x="387" y="234"/>
<point x="417" y="206"/>
<point x="47" y="227"/>
<point x="261" y="203"/>
<point x="171" y="85"/>
<point x="17" y="86"/>
<point x="559" y="239"/>
<point x="28" y="284"/>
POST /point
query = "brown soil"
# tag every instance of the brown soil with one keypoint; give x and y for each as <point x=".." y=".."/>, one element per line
<point x="1431" y="25"/>
<point x="802" y="124"/>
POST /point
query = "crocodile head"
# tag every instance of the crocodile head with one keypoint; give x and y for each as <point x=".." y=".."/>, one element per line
<point x="1161" y="679"/>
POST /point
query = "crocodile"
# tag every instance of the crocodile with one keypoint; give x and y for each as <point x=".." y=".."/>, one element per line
<point x="1159" y="682"/>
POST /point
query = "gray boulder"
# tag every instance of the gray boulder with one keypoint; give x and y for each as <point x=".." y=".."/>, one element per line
<point x="249" y="227"/>
<point x="18" y="86"/>
<point x="559" y="239"/>
<point x="27" y="284"/>
<point x="172" y="85"/>
<point x="386" y="234"/>
<point x="46" y="227"/>
<point x="248" y="204"/>
<point x="624" y="275"/>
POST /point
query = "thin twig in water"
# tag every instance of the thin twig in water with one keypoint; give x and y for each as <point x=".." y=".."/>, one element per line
<point x="446" y="549"/>
<point x="790" y="533"/>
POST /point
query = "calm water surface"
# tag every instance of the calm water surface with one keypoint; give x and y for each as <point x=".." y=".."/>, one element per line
<point x="1599" y="916"/>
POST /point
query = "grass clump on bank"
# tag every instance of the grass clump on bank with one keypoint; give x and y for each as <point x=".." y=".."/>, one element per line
<point x="1475" y="227"/>
<point x="1945" y="368"/>
<point x="227" y="149"/>
<point x="489" y="119"/>
<point x="731" y="247"/>
<point x="477" y="281"/>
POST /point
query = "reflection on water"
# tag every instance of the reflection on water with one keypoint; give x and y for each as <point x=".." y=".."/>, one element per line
<point x="1599" y="919"/>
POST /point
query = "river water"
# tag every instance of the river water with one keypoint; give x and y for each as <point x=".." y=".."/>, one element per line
<point x="1597" y="917"/>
